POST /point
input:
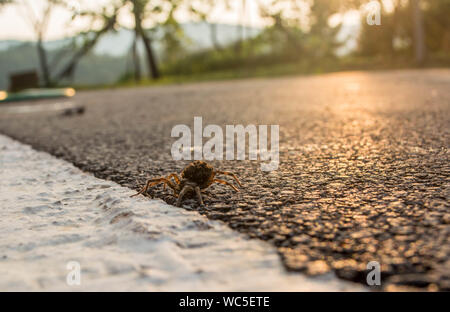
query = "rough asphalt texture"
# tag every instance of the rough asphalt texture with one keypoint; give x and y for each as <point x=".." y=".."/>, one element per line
<point x="364" y="173"/>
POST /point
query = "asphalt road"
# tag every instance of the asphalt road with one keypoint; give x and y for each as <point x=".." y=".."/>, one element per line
<point x="364" y="163"/>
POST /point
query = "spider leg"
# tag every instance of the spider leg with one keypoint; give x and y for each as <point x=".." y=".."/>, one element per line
<point x="174" y="176"/>
<point x="153" y="182"/>
<point x="199" y="196"/>
<point x="226" y="183"/>
<point x="183" y="192"/>
<point x="149" y="183"/>
<point x="230" y="174"/>
<point x="171" y="185"/>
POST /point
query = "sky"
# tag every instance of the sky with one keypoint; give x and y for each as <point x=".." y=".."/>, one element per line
<point x="15" y="21"/>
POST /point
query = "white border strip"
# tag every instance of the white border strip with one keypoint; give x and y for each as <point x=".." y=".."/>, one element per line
<point x="53" y="213"/>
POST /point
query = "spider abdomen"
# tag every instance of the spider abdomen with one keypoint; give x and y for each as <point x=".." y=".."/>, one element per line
<point x="199" y="172"/>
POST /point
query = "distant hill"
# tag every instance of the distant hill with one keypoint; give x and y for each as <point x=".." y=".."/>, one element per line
<point x="7" y="44"/>
<point x="92" y="70"/>
<point x="110" y="57"/>
<point x="118" y="43"/>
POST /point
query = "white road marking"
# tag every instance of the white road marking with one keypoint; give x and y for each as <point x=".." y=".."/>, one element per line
<point x="53" y="214"/>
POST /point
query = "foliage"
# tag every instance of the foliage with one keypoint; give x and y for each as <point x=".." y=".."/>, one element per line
<point x="395" y="36"/>
<point x="298" y="38"/>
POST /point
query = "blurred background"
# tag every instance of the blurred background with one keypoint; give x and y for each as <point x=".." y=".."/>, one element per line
<point x="124" y="42"/>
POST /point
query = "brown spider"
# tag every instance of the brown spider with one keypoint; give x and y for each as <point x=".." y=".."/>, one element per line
<point x="197" y="176"/>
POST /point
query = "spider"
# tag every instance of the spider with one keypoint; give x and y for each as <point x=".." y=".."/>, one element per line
<point x="197" y="176"/>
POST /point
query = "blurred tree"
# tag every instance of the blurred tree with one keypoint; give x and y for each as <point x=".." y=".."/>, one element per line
<point x="303" y="26"/>
<point x="419" y="31"/>
<point x="173" y="40"/>
<point x="324" y="37"/>
<point x="136" y="58"/>
<point x="140" y="10"/>
<point x="39" y="22"/>
<point x="203" y="9"/>
<point x="283" y="30"/>
<point x="162" y="15"/>
<point x="437" y="26"/>
<point x="108" y="18"/>
<point x="412" y="28"/>
<point x="381" y="39"/>
<point x="3" y="2"/>
<point x="241" y="26"/>
<point x="39" y="19"/>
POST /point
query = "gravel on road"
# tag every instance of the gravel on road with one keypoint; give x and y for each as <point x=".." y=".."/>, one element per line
<point x="364" y="163"/>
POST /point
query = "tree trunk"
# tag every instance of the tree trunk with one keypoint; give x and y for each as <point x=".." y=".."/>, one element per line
<point x="240" y="30"/>
<point x="213" y="33"/>
<point x="151" y="61"/>
<point x="395" y="26"/>
<point x="419" y="32"/>
<point x="69" y="69"/>
<point x="43" y="63"/>
<point x="136" y="60"/>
